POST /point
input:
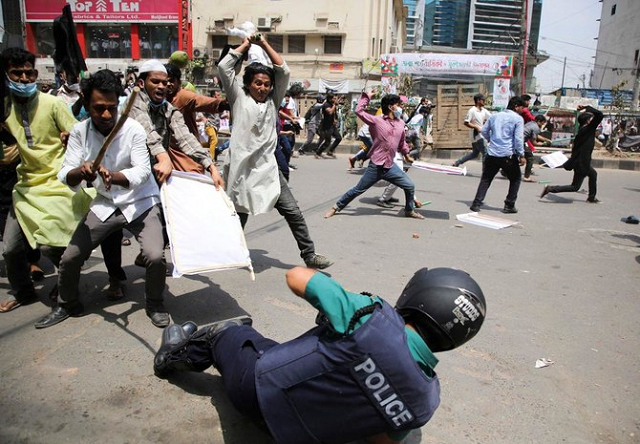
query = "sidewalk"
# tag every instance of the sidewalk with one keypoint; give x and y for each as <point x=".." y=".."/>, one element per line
<point x="348" y="146"/>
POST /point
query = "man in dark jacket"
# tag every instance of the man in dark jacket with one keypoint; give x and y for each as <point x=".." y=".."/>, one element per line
<point x="580" y="161"/>
<point x="366" y="371"/>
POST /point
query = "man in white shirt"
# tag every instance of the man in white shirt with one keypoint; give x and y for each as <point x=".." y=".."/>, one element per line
<point x="475" y="119"/>
<point x="128" y="197"/>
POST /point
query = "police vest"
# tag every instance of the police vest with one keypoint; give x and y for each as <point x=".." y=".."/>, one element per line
<point x="319" y="389"/>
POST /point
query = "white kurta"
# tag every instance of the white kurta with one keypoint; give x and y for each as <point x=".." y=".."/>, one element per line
<point x="252" y="176"/>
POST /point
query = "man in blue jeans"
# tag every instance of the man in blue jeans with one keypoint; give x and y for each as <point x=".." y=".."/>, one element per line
<point x="387" y="132"/>
<point x="366" y="370"/>
<point x="505" y="133"/>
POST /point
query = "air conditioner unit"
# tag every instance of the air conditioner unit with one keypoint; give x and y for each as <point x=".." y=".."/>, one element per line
<point x="264" y="23"/>
<point x="199" y="52"/>
<point x="215" y="53"/>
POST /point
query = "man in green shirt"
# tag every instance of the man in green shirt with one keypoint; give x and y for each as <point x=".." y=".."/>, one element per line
<point x="366" y="371"/>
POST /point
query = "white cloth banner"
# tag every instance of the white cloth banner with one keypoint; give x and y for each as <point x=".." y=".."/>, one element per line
<point x="337" y="86"/>
<point x="435" y="63"/>
<point x="438" y="168"/>
<point x="555" y="159"/>
<point x="203" y="227"/>
<point x="501" y="93"/>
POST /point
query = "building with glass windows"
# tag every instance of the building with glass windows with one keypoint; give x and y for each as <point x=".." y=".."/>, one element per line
<point x="446" y="23"/>
<point x="114" y="34"/>
<point x="415" y="23"/>
<point x="327" y="44"/>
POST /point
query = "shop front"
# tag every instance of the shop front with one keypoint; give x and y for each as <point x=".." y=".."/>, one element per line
<point x="114" y="34"/>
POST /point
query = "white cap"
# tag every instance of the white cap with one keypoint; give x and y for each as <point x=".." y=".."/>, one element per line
<point x="152" y="65"/>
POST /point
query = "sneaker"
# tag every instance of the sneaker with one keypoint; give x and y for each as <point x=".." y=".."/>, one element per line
<point x="594" y="200"/>
<point x="318" y="261"/>
<point x="384" y="204"/>
<point x="509" y="210"/>
<point x="414" y="215"/>
<point x="545" y="191"/>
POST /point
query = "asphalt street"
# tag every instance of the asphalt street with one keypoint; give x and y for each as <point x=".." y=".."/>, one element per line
<point x="562" y="284"/>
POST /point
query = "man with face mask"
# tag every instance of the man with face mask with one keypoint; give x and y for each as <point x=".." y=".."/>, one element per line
<point x="45" y="212"/>
<point x="70" y="94"/>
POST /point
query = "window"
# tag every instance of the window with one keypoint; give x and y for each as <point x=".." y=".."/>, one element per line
<point x="219" y="41"/>
<point x="613" y="10"/>
<point x="106" y="41"/>
<point x="158" y="42"/>
<point x="276" y="42"/>
<point x="333" y="44"/>
<point x="297" y="44"/>
<point x="44" y="39"/>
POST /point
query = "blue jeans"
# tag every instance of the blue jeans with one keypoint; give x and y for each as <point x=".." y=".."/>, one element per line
<point x="477" y="148"/>
<point x="373" y="174"/>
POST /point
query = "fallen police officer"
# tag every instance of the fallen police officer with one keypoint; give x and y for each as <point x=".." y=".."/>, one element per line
<point x="365" y="372"/>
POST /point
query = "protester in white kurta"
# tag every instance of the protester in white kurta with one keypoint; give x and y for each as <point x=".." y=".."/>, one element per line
<point x="254" y="182"/>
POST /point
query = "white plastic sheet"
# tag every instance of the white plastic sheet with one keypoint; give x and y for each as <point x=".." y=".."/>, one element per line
<point x="204" y="229"/>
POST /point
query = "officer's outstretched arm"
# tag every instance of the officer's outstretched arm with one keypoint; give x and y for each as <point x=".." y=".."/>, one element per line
<point x="298" y="278"/>
<point x="382" y="438"/>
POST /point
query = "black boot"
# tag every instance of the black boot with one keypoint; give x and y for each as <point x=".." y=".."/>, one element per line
<point x="174" y="355"/>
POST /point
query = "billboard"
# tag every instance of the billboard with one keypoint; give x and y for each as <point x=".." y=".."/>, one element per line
<point x="108" y="11"/>
<point x="439" y="64"/>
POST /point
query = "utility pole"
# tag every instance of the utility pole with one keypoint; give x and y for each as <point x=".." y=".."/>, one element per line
<point x="525" y="46"/>
<point x="564" y="69"/>
<point x="636" y="86"/>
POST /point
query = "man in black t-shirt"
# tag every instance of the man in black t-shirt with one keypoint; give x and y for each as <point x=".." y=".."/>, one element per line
<point x="328" y="128"/>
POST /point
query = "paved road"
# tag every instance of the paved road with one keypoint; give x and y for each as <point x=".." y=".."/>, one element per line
<point x="562" y="284"/>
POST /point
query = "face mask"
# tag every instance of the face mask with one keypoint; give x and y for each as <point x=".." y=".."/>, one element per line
<point x="157" y="105"/>
<point x="23" y="89"/>
<point x="397" y="113"/>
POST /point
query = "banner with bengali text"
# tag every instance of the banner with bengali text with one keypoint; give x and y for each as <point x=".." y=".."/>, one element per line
<point x="103" y="10"/>
<point x="439" y="64"/>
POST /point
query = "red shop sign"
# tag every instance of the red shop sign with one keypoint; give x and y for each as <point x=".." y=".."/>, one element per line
<point x="84" y="11"/>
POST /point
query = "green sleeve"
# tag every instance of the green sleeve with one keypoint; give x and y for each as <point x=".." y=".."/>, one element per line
<point x="64" y="116"/>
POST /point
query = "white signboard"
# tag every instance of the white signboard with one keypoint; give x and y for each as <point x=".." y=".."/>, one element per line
<point x="435" y="63"/>
<point x="501" y="92"/>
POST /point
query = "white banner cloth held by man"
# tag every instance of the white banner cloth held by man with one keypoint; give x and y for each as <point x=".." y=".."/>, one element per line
<point x="203" y="227"/>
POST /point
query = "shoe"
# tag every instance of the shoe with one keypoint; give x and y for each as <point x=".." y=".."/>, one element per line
<point x="594" y="200"/>
<point x="36" y="273"/>
<point x="352" y="163"/>
<point x="160" y="319"/>
<point x="332" y="212"/>
<point x="173" y="338"/>
<point x="317" y="261"/>
<point x="393" y="200"/>
<point x="58" y="315"/>
<point x="12" y="303"/>
<point x="317" y="156"/>
<point x="115" y="291"/>
<point x="384" y="204"/>
<point x="189" y="328"/>
<point x="475" y="208"/>
<point x="292" y="166"/>
<point x="295" y="154"/>
<point x="455" y="164"/>
<point x="126" y="242"/>
<point x="414" y="215"/>
<point x="509" y="210"/>
<point x="213" y="330"/>
<point x="139" y="260"/>
<point x="331" y="156"/>
<point x="545" y="191"/>
<point x="528" y="179"/>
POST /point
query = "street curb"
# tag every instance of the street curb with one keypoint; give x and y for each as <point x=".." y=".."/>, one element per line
<point x="611" y="164"/>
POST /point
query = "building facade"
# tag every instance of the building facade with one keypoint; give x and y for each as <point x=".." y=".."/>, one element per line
<point x="114" y="34"/>
<point x="325" y="42"/>
<point x="415" y="23"/>
<point x="618" y="51"/>
<point x="447" y="23"/>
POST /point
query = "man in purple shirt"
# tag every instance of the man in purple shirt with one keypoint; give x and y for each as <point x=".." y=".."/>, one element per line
<point x="387" y="132"/>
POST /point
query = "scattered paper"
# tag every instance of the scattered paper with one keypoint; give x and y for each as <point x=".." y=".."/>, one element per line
<point x="437" y="168"/>
<point x="482" y="220"/>
<point x="543" y="362"/>
<point x="555" y="159"/>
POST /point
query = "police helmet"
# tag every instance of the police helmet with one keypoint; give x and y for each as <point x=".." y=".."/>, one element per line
<point x="444" y="305"/>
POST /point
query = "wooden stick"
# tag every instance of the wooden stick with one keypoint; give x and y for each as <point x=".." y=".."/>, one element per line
<point x="123" y="117"/>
